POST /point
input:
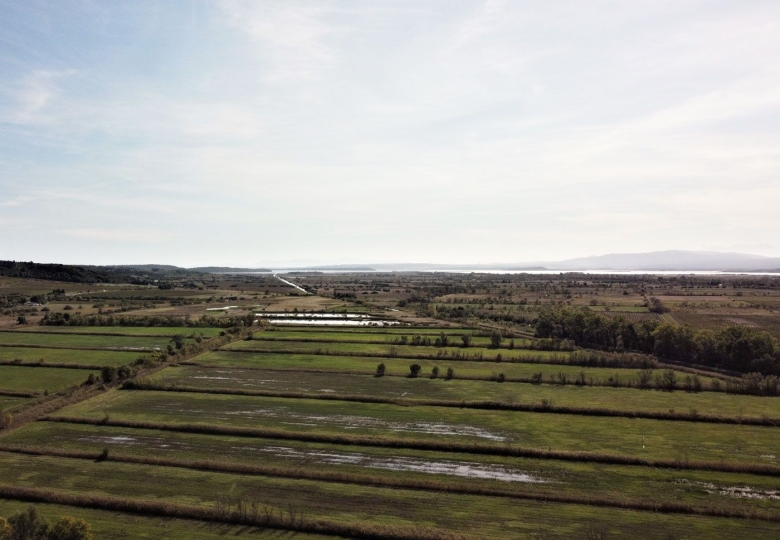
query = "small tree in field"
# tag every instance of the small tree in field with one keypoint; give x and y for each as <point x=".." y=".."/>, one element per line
<point x="466" y="339"/>
<point x="108" y="374"/>
<point x="495" y="339"/>
<point x="450" y="373"/>
<point x="414" y="370"/>
<point x="380" y="370"/>
<point x="70" y="528"/>
<point x="435" y="372"/>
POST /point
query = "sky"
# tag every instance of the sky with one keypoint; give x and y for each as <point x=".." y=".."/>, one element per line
<point x="248" y="133"/>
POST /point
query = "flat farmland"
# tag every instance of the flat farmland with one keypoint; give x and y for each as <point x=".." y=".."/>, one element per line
<point x="391" y="350"/>
<point x="714" y="321"/>
<point x="146" y="331"/>
<point x="475" y="516"/>
<point x="424" y="387"/>
<point x="632" y="437"/>
<point x="400" y="366"/>
<point x="40" y="379"/>
<point x="392" y="338"/>
<point x="511" y="475"/>
<point x="294" y="419"/>
<point x="68" y="356"/>
<point x="82" y="341"/>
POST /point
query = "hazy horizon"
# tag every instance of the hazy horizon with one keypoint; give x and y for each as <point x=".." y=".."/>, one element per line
<point x="238" y="133"/>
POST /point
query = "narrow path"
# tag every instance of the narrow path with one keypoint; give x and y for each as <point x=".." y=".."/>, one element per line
<point x="291" y="284"/>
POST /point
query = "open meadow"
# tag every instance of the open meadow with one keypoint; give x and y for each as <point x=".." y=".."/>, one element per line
<point x="253" y="430"/>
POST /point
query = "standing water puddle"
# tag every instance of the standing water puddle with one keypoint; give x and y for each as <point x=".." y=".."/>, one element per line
<point x="453" y="468"/>
<point x="740" y="492"/>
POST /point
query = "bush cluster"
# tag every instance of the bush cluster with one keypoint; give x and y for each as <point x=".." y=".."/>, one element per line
<point x="29" y="525"/>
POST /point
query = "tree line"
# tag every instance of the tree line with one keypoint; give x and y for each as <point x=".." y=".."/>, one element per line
<point x="735" y="348"/>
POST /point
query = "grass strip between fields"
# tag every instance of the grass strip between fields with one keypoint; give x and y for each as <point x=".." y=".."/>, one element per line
<point x="482" y="448"/>
<point x="483" y="405"/>
<point x="249" y="515"/>
<point x="463" y="487"/>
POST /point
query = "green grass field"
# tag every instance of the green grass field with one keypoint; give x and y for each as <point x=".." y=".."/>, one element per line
<point x="381" y="337"/>
<point x="400" y="366"/>
<point x="623" y="399"/>
<point x="514" y="475"/>
<point x="40" y="379"/>
<point x="634" y="437"/>
<point x="478" y="516"/>
<point x="387" y="350"/>
<point x="79" y="341"/>
<point x="7" y="402"/>
<point x="364" y="468"/>
<point x="162" y="331"/>
<point x="65" y="356"/>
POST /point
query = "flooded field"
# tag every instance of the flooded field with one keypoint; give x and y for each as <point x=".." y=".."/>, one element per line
<point x="651" y="438"/>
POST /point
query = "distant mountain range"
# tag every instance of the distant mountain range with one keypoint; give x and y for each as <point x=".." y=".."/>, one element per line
<point x="672" y="261"/>
<point x="657" y="261"/>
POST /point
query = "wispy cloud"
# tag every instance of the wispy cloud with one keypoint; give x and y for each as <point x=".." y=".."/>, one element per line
<point x="31" y="98"/>
<point x="16" y="201"/>
<point x="292" y="35"/>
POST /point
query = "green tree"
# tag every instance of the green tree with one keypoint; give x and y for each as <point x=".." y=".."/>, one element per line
<point x="28" y="525"/>
<point x="70" y="528"/>
<point x="108" y="374"/>
<point x="495" y="339"/>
